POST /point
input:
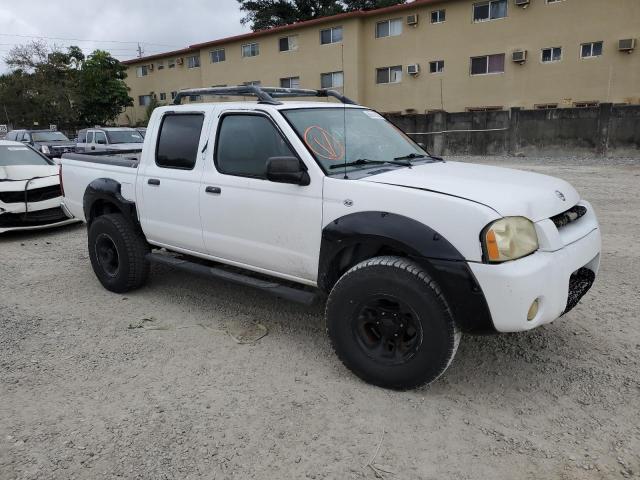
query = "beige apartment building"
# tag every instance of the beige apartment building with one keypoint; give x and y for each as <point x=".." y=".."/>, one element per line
<point x="452" y="55"/>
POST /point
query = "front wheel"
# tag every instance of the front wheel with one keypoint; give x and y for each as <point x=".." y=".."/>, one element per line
<point x="390" y="324"/>
<point x="118" y="253"/>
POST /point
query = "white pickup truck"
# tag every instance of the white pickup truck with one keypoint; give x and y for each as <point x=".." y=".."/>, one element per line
<point x="300" y="198"/>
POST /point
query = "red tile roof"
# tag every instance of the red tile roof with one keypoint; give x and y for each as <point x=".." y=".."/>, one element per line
<point x="285" y="28"/>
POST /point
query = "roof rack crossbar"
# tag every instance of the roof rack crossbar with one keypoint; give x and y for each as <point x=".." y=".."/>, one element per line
<point x="266" y="95"/>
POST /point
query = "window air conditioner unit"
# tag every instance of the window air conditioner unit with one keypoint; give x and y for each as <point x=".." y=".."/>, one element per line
<point x="150" y="67"/>
<point x="412" y="19"/>
<point x="519" y="56"/>
<point x="413" y="69"/>
<point x="522" y="3"/>
<point x="179" y="60"/>
<point x="627" y="45"/>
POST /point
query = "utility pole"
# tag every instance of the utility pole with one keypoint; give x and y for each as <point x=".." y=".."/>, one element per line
<point x="140" y="51"/>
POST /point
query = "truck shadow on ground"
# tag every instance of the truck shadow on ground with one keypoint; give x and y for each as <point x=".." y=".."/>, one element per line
<point x="482" y="364"/>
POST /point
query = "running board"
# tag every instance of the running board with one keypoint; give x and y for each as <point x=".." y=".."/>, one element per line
<point x="288" y="293"/>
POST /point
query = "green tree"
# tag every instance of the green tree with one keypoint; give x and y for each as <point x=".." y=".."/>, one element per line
<point x="265" y="14"/>
<point x="62" y="87"/>
<point x="103" y="91"/>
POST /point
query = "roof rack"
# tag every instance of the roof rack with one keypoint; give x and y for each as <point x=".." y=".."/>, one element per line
<point x="266" y="95"/>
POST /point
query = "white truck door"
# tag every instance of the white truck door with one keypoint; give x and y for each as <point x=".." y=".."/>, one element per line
<point x="169" y="182"/>
<point x="100" y="141"/>
<point x="248" y="220"/>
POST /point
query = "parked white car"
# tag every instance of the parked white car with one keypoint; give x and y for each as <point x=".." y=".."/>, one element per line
<point x="411" y="250"/>
<point x="30" y="194"/>
<point x="109" y="139"/>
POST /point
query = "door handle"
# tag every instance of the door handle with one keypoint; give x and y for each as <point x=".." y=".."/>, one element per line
<point x="93" y="148"/>
<point x="214" y="190"/>
<point x="153" y="181"/>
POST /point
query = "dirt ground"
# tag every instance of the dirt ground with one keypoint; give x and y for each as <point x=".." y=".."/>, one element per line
<point x="152" y="385"/>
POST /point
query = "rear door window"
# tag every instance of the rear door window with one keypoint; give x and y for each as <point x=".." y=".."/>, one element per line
<point x="90" y="137"/>
<point x="178" y="140"/>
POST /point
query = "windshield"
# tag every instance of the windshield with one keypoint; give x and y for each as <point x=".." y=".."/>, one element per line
<point x="18" y="155"/>
<point x="48" y="137"/>
<point x="368" y="137"/>
<point x="124" y="136"/>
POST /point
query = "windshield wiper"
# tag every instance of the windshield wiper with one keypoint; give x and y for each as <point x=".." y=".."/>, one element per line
<point x="366" y="161"/>
<point x="411" y="156"/>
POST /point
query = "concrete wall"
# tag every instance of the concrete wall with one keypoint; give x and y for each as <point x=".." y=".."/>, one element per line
<point x="605" y="130"/>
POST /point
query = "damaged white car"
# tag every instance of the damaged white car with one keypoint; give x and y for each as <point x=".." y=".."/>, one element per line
<point x="30" y="192"/>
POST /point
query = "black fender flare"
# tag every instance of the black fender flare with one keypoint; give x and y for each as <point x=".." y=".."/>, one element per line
<point x="364" y="234"/>
<point x="109" y="191"/>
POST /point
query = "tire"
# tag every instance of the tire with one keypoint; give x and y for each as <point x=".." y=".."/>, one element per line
<point x="118" y="253"/>
<point x="389" y="323"/>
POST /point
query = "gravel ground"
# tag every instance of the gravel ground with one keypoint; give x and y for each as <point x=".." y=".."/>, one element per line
<point x="85" y="394"/>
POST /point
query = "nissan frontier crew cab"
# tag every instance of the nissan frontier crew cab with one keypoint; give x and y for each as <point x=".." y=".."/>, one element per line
<point x="315" y="197"/>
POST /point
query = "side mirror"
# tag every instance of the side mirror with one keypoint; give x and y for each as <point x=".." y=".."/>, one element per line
<point x="287" y="170"/>
<point x="101" y="141"/>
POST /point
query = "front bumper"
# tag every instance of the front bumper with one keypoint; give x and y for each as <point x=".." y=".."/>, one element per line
<point x="40" y="215"/>
<point x="510" y="288"/>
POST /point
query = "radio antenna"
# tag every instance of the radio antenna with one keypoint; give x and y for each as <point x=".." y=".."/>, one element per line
<point x="344" y="114"/>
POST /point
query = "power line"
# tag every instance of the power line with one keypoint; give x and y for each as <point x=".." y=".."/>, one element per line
<point x="87" y="40"/>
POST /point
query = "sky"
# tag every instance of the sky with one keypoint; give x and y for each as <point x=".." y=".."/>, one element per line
<point x="117" y="25"/>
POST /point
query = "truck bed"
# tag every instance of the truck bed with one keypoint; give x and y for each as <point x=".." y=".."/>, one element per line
<point x="80" y="170"/>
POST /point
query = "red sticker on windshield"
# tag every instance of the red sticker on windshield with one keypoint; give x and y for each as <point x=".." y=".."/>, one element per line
<point x="323" y="144"/>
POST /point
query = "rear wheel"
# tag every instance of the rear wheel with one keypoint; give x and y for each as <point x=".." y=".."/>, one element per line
<point x="389" y="323"/>
<point x="118" y="253"/>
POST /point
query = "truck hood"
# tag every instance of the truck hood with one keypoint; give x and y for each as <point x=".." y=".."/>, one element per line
<point x="24" y="172"/>
<point x="507" y="191"/>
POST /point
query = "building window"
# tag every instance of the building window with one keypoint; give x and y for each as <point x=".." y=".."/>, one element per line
<point x="389" y="28"/>
<point x="144" y="100"/>
<point x="438" y="16"/>
<point x="163" y="96"/>
<point x="255" y="83"/>
<point x="586" y="104"/>
<point x="171" y="63"/>
<point x="160" y="65"/>
<point x="553" y="54"/>
<point x="546" y="106"/>
<point x="332" y="80"/>
<point x="174" y="95"/>
<point x="331" y="35"/>
<point x="436" y="67"/>
<point x="194" y="98"/>
<point x="389" y="75"/>
<point x="193" y="61"/>
<point x="251" y="50"/>
<point x="290" y="82"/>
<point x="218" y="55"/>
<point x="590" y="50"/>
<point x="288" y="44"/>
<point x="485" y="11"/>
<point x="487" y="64"/>
<point x="142" y="71"/>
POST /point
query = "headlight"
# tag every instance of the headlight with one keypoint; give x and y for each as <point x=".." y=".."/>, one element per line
<point x="45" y="149"/>
<point x="508" y="239"/>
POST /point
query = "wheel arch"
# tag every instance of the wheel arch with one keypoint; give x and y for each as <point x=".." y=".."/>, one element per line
<point x="357" y="237"/>
<point x="103" y="196"/>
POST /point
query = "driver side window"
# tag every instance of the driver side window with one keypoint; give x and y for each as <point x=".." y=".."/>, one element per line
<point x="246" y="142"/>
<point x="101" y="138"/>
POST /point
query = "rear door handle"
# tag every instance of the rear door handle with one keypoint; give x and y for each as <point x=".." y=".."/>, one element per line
<point x="214" y="190"/>
<point x="153" y="181"/>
